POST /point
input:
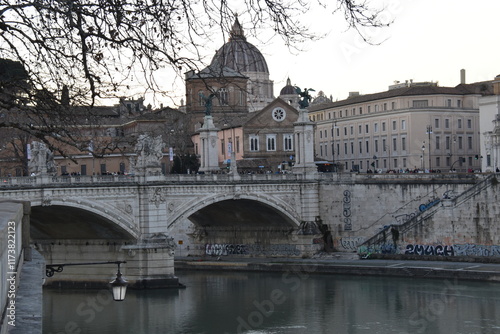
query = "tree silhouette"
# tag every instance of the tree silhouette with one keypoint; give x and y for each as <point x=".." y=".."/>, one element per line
<point x="70" y="56"/>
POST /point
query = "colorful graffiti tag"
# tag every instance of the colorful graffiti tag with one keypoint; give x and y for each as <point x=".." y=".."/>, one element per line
<point x="241" y="249"/>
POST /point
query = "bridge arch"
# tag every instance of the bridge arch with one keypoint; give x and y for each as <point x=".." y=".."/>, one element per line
<point x="87" y="220"/>
<point x="261" y="206"/>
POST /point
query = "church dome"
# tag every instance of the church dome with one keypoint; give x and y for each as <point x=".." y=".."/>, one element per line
<point x="239" y="54"/>
<point x="288" y="89"/>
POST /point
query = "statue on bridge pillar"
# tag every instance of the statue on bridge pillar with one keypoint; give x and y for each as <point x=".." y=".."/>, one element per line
<point x="149" y="152"/>
<point x="304" y="137"/>
<point x="306" y="97"/>
<point x="41" y="159"/>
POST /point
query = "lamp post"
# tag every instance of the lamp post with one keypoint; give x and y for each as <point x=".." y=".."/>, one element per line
<point x="429" y="132"/>
<point x="386" y="147"/>
<point x="118" y="285"/>
<point x="334" y="126"/>
<point x="423" y="156"/>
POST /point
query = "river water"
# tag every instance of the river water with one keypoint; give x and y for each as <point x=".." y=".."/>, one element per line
<point x="275" y="303"/>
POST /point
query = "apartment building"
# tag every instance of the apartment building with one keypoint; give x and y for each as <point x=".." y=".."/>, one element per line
<point x="410" y="126"/>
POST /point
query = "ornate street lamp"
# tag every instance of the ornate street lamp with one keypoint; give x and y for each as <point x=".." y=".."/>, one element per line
<point x="118" y="285"/>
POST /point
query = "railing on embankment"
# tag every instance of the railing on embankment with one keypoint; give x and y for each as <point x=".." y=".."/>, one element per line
<point x="378" y="242"/>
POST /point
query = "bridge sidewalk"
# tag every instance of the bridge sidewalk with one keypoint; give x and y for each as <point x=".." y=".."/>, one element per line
<point x="339" y="263"/>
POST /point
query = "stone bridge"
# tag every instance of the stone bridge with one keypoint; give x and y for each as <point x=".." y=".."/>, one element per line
<point x="146" y="220"/>
<point x="142" y="220"/>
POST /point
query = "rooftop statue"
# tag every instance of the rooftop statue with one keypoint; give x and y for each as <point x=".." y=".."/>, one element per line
<point x="304" y="103"/>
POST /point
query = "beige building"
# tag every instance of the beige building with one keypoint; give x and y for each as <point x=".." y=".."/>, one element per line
<point x="489" y="106"/>
<point x="410" y="126"/>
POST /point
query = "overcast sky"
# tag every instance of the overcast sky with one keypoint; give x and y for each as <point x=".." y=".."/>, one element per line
<point x="429" y="40"/>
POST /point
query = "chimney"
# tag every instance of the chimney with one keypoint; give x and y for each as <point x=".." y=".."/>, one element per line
<point x="462" y="76"/>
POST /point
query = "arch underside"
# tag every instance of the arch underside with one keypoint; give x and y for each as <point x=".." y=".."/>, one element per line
<point x="241" y="213"/>
<point x="65" y="222"/>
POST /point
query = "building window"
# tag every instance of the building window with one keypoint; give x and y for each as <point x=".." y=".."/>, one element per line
<point x="383" y="126"/>
<point x="460" y="143"/>
<point x="384" y="145"/>
<point x="376" y="145"/>
<point x="394" y="144"/>
<point x="394" y="126"/>
<point x="288" y="142"/>
<point x="376" y="108"/>
<point x="447" y="123"/>
<point x="436" y="123"/>
<point x="448" y="103"/>
<point x="385" y="106"/>
<point x="359" y="129"/>
<point x="469" y="143"/>
<point x="375" y="127"/>
<point x="271" y="142"/>
<point x="222" y="148"/>
<point x="367" y="128"/>
<point x="367" y="146"/>
<point x="403" y="124"/>
<point x="403" y="144"/>
<point x="469" y="124"/>
<point x="360" y="148"/>
<point x="345" y="131"/>
<point x="447" y="142"/>
<point x="393" y="105"/>
<point x="438" y="162"/>
<point x="223" y="98"/>
<point x="369" y="109"/>
<point x="352" y="130"/>
<point x="360" y="110"/>
<point x="254" y="143"/>
<point x="352" y="148"/>
<point x="404" y="162"/>
<point x="201" y="102"/>
<point x="438" y="140"/>
<point x="345" y="148"/>
<point x="459" y="123"/>
<point x="420" y="103"/>
<point x="459" y="103"/>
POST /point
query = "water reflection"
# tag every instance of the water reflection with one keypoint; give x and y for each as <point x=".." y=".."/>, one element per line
<point x="217" y="303"/>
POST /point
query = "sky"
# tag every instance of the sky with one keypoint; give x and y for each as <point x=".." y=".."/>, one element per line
<point x="428" y="40"/>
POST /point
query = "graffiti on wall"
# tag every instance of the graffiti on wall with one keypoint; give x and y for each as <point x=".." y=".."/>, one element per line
<point x="438" y="250"/>
<point x="476" y="250"/>
<point x="435" y="250"/>
<point x="346" y="210"/>
<point x="242" y="249"/>
<point x="428" y="205"/>
<point x="350" y="243"/>
<point x="387" y="248"/>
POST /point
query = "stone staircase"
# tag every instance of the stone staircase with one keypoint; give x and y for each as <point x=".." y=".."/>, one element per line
<point x="381" y="237"/>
